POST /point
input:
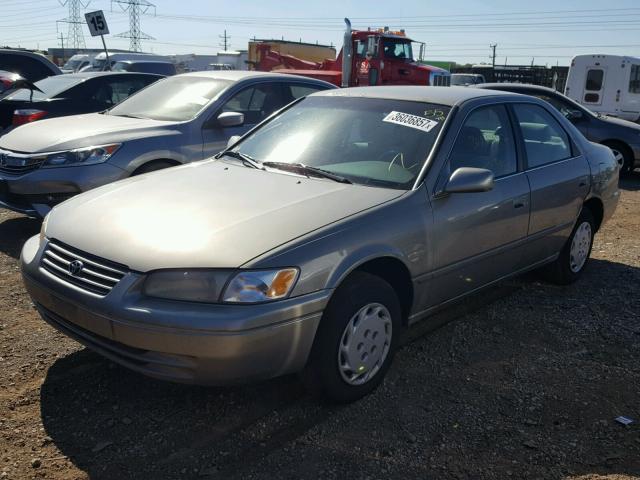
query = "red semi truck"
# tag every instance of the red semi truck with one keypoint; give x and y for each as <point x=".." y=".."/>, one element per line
<point x="368" y="57"/>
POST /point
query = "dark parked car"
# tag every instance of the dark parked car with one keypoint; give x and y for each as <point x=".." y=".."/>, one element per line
<point x="31" y="66"/>
<point x="162" y="68"/>
<point x="69" y="95"/>
<point x="621" y="136"/>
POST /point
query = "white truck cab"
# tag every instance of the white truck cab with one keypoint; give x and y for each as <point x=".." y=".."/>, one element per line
<point x="609" y="84"/>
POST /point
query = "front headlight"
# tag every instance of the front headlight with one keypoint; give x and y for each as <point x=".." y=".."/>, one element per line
<point x="81" y="156"/>
<point x="43" y="228"/>
<point x="208" y="286"/>
<point x="260" y="285"/>
<point x="187" y="285"/>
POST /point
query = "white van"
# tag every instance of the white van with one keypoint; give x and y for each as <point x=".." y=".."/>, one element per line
<point x="99" y="63"/>
<point x="76" y="62"/>
<point x="608" y="84"/>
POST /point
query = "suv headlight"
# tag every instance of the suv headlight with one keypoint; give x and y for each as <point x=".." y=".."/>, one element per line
<point x="81" y="156"/>
<point x="208" y="286"/>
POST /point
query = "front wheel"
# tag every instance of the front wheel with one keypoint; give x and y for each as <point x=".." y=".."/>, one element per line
<point x="574" y="256"/>
<point x="356" y="339"/>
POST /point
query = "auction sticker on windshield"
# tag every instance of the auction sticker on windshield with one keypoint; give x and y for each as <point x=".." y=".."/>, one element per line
<point x="408" y="120"/>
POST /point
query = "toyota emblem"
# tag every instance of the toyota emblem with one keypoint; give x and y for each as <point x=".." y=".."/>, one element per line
<point x="75" y="267"/>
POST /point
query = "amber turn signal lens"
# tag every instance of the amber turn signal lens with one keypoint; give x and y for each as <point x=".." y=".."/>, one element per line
<point x="282" y="282"/>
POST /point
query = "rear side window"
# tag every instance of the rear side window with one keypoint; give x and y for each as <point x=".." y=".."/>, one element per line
<point x="298" y="91"/>
<point x="594" y="80"/>
<point x="544" y="139"/>
<point x="30" y="68"/>
<point x="634" y="79"/>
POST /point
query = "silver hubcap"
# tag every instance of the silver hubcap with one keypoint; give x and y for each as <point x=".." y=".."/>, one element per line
<point x="365" y="344"/>
<point x="580" y="247"/>
<point x="618" y="156"/>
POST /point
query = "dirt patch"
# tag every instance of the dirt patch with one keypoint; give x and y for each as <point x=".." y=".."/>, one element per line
<point x="525" y="383"/>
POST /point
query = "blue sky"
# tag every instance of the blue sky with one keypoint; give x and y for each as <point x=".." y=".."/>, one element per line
<point x="547" y="31"/>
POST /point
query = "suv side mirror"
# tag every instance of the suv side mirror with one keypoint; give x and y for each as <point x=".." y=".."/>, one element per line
<point x="468" y="180"/>
<point x="232" y="140"/>
<point x="230" y="119"/>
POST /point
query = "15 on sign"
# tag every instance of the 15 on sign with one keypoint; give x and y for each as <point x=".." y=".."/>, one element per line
<point x="97" y="23"/>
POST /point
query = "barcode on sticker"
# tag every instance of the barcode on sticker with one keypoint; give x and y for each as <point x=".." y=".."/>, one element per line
<point x="412" y="121"/>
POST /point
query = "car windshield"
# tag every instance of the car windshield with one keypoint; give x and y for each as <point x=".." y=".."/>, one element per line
<point x="464" y="79"/>
<point x="72" y="64"/>
<point x="174" y="99"/>
<point x="367" y="141"/>
<point x="397" y="49"/>
<point x="98" y="65"/>
<point x="50" y="86"/>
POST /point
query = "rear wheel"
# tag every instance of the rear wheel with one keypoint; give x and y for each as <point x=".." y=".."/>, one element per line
<point x="356" y="339"/>
<point x="574" y="256"/>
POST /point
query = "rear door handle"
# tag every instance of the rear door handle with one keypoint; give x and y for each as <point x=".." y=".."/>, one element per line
<point x="518" y="204"/>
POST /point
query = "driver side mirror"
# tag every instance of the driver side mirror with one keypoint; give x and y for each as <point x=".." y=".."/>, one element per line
<point x="232" y="140"/>
<point x="574" y="115"/>
<point x="469" y="180"/>
<point x="230" y="119"/>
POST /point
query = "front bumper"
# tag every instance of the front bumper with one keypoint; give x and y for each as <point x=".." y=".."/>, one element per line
<point x="178" y="341"/>
<point x="36" y="192"/>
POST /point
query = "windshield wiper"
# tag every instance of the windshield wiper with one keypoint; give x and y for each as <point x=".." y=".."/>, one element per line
<point x="306" y="169"/>
<point x="246" y="159"/>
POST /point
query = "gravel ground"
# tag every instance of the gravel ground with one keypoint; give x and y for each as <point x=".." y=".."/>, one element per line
<point x="523" y="381"/>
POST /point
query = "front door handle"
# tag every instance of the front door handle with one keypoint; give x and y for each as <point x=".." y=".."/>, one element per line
<point x="520" y="202"/>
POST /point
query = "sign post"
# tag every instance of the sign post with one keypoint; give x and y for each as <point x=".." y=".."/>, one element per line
<point x="98" y="26"/>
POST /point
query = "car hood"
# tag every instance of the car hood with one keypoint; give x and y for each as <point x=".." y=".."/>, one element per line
<point x="204" y="214"/>
<point x="65" y="133"/>
<point x="619" y="121"/>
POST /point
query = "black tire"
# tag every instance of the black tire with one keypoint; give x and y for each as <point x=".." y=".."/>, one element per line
<point x="322" y="374"/>
<point x="152" y="167"/>
<point x="561" y="271"/>
<point x="627" y="155"/>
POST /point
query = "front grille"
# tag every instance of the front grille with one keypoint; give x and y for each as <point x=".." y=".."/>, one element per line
<point x="81" y="269"/>
<point x="15" y="163"/>
<point x="438" y="80"/>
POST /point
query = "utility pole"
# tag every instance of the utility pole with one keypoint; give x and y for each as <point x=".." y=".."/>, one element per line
<point x="135" y="9"/>
<point x="225" y="38"/>
<point x="62" y="45"/>
<point x="493" y="56"/>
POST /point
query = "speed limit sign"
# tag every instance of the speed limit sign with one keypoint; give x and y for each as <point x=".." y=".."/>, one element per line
<point x="97" y="23"/>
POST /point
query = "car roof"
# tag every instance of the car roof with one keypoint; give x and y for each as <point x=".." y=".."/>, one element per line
<point x="515" y="86"/>
<point x="86" y="75"/>
<point x="440" y="95"/>
<point x="144" y="61"/>
<point x="237" y="75"/>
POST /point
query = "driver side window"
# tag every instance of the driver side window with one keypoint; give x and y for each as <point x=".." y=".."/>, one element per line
<point x="486" y="141"/>
<point x="256" y="103"/>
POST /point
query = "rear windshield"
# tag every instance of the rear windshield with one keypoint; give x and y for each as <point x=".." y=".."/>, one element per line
<point x="50" y="86"/>
<point x="174" y="99"/>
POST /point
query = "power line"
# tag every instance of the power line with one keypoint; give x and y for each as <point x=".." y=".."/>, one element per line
<point x="135" y="9"/>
